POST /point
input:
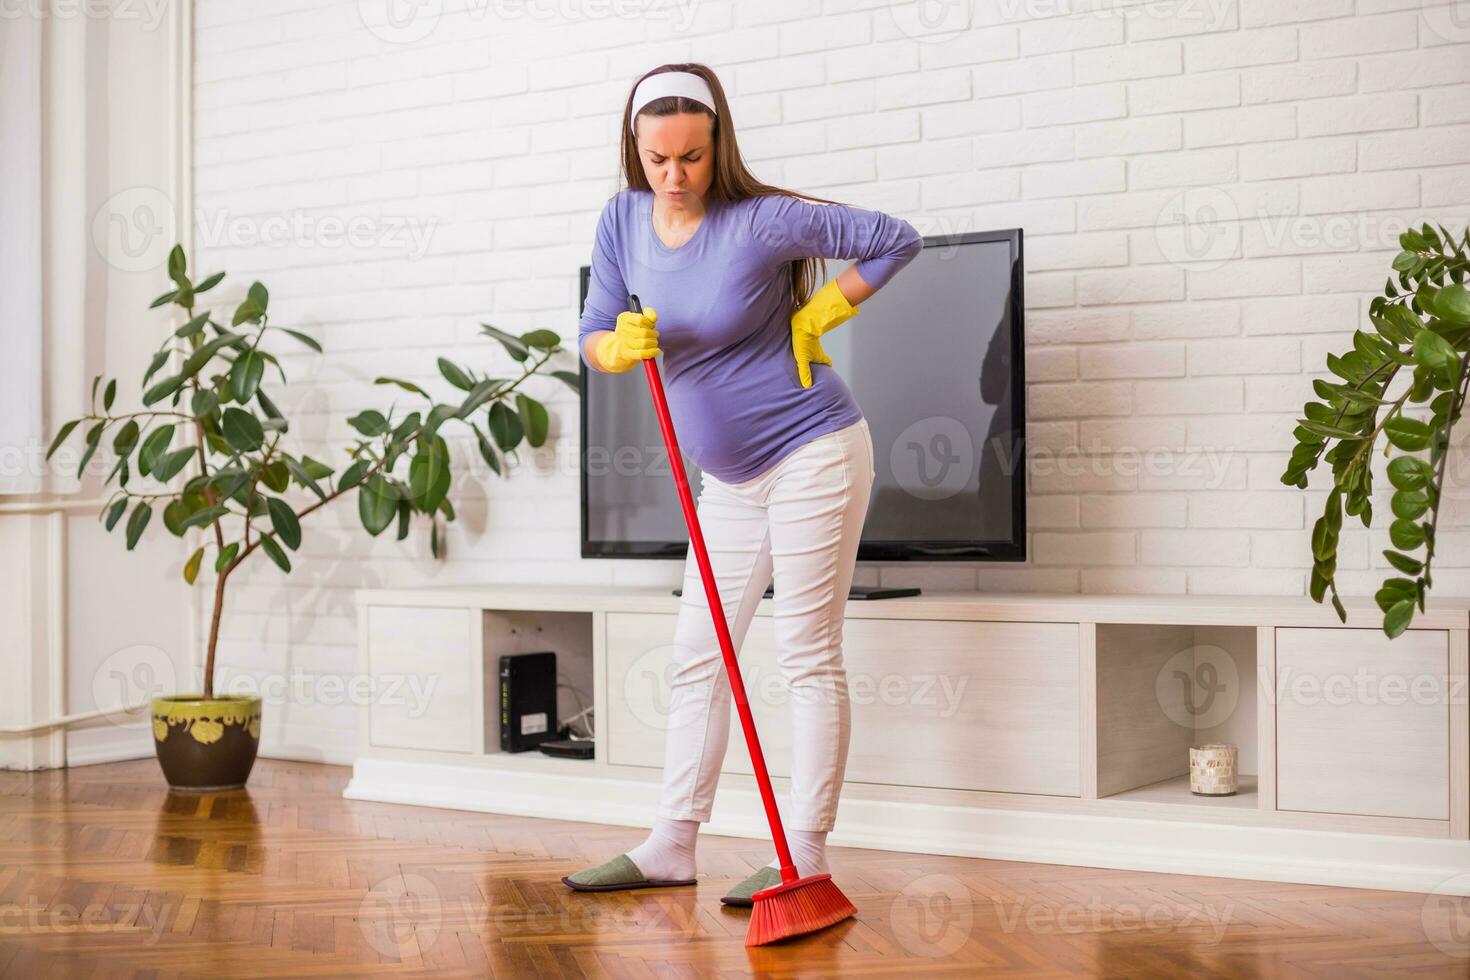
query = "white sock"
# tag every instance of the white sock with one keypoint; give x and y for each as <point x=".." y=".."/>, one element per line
<point x="808" y="852"/>
<point x="668" y="853"/>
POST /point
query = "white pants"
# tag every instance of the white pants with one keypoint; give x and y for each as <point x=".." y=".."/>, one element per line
<point x="801" y="521"/>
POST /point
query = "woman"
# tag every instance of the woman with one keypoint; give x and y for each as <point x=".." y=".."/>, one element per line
<point x="727" y="265"/>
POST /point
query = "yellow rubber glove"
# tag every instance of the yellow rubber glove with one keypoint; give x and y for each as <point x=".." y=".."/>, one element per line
<point x="634" y="339"/>
<point x="826" y="309"/>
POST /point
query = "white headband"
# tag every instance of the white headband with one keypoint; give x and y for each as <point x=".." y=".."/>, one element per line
<point x="687" y="84"/>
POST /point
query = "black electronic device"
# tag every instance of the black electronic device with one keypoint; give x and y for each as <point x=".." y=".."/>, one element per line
<point x="527" y="700"/>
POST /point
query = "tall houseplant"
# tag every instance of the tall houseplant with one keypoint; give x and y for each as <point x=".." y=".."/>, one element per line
<point x="206" y="413"/>
<point x="1420" y="322"/>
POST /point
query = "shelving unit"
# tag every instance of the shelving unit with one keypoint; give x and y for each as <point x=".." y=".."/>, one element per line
<point x="1026" y="727"/>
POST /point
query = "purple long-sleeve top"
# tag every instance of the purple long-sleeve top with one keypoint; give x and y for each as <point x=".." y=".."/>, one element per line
<point x="723" y="301"/>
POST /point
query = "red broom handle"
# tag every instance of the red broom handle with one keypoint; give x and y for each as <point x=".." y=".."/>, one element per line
<point x="717" y="611"/>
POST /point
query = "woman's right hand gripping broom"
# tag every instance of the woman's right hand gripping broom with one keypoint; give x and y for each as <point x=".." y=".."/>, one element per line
<point x="634" y="339"/>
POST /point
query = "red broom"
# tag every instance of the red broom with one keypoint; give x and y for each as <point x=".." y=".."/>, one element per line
<point x="797" y="905"/>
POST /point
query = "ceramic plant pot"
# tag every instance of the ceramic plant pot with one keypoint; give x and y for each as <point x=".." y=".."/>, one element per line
<point x="206" y="743"/>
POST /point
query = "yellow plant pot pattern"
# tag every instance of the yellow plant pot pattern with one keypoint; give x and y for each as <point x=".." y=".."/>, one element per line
<point x="205" y="719"/>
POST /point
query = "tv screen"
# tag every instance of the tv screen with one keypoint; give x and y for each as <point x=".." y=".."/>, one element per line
<point x="935" y="361"/>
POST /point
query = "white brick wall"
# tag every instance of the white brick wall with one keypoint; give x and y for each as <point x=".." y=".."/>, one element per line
<point x="1162" y="394"/>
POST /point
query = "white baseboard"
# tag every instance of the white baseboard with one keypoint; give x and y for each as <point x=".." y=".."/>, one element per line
<point x="109" y="743"/>
<point x="1354" y="860"/>
<point x="303" y="743"/>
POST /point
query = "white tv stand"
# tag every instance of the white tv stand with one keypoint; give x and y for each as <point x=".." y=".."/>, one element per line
<point x="1034" y="727"/>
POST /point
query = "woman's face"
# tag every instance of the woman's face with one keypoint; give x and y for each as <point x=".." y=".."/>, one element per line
<point x="678" y="154"/>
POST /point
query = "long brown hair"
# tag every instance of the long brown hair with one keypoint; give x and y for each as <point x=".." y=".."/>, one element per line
<point x="732" y="181"/>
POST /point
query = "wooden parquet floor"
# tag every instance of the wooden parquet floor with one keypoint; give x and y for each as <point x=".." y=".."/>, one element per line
<point x="105" y="874"/>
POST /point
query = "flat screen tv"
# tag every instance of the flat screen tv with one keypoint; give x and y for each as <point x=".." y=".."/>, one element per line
<point x="947" y="418"/>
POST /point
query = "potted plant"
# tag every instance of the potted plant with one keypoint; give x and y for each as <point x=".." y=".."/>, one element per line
<point x="206" y="415"/>
<point x="1420" y="322"/>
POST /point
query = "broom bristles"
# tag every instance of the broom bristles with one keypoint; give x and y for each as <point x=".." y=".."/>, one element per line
<point x="796" y="908"/>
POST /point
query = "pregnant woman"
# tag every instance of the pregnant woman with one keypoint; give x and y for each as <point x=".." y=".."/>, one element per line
<point x="727" y="266"/>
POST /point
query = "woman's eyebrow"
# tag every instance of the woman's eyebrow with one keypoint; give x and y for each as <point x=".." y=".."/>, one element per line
<point x="690" y="153"/>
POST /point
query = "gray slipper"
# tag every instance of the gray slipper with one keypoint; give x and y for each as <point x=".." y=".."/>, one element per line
<point x="615" y="875"/>
<point x="739" y="896"/>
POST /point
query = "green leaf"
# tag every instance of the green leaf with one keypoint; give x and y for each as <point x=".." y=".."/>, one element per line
<point x="1409" y="472"/>
<point x="269" y="408"/>
<point x="247" y="312"/>
<point x="487" y="451"/>
<point x="138" y="522"/>
<point x="376" y="502"/>
<point x="276" y="476"/>
<point x="315" y="469"/>
<point x="115" y="512"/>
<point x="405" y="385"/>
<point x="163" y="389"/>
<point x="191" y="567"/>
<point x="154" y="446"/>
<point x="165" y="468"/>
<point x="193" y="326"/>
<point x="209" y="283"/>
<point x="1403" y="562"/>
<point x="428" y="476"/>
<point x="1452" y="303"/>
<point x="1331" y="431"/>
<point x="1317" y="585"/>
<point x="369" y="423"/>
<point x="61" y="435"/>
<point x="304" y="338"/>
<point x="201" y="355"/>
<point x="126" y="438"/>
<point x="303" y="475"/>
<point x="352" y="475"/>
<point x="547" y="340"/>
<point x="109" y="394"/>
<point x="283" y="519"/>
<point x="455" y="375"/>
<point x="505" y="426"/>
<point x="1433" y="351"/>
<point x="1324" y="542"/>
<point x="1406" y="534"/>
<point x="534" y="418"/>
<point x="569" y="378"/>
<point x="1409" y="504"/>
<point x="1407" y="434"/>
<point x="242" y="430"/>
<point x="482" y="392"/>
<point x="245" y="375"/>
<point x="204" y="402"/>
<point x="223" y="559"/>
<point x="1396" y="620"/>
<point x="512" y="345"/>
<point x="269" y="546"/>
